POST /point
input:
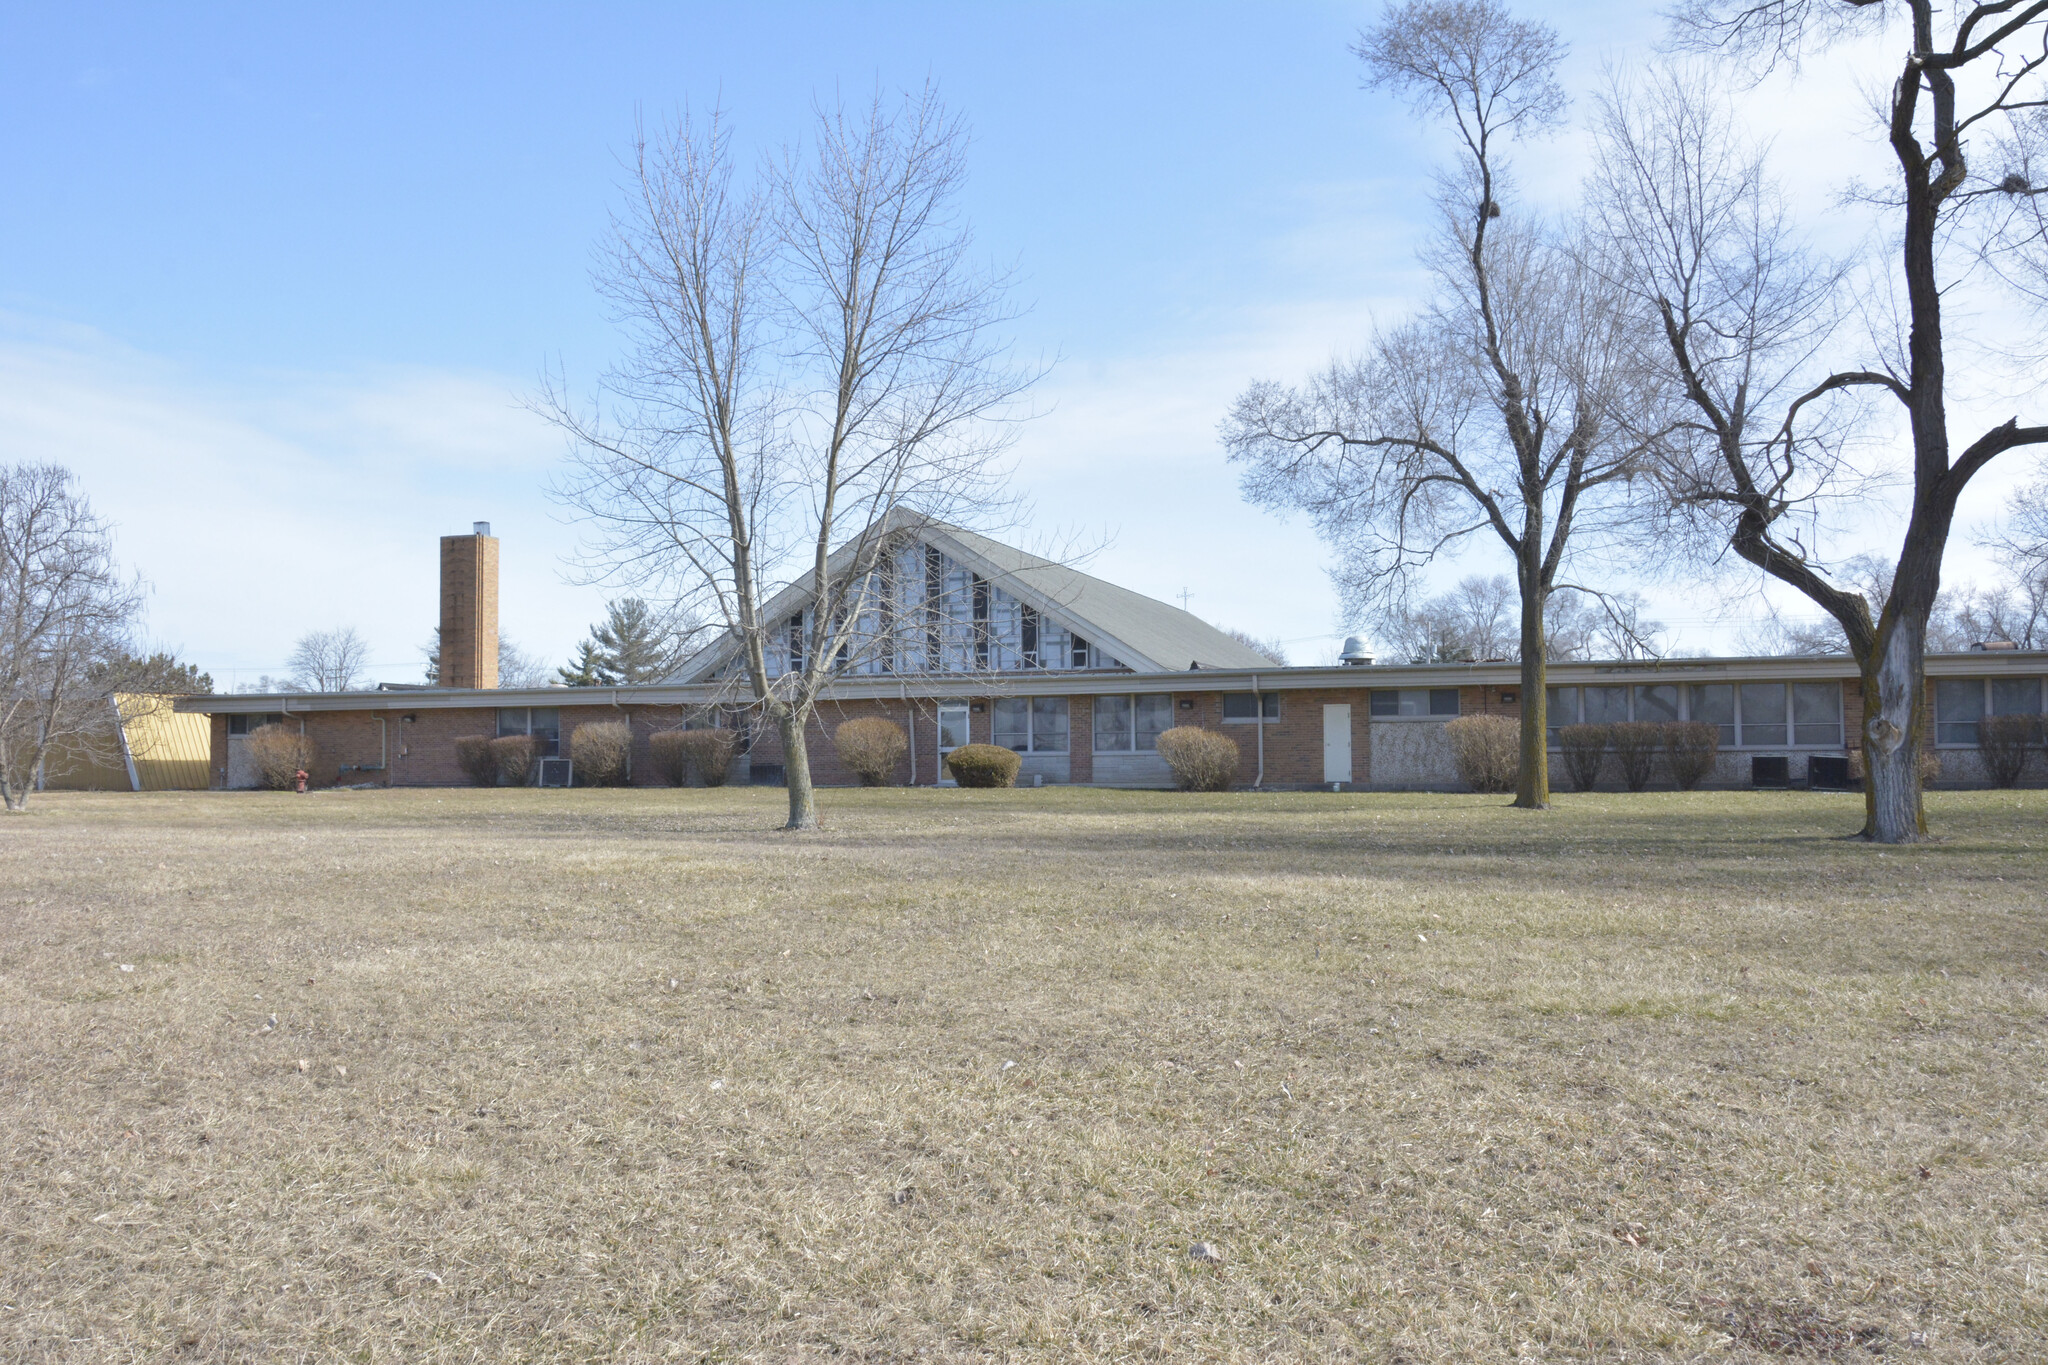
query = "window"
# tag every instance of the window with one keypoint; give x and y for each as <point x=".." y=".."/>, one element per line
<point x="1714" y="704"/>
<point x="981" y="621"/>
<point x="1113" y="725"/>
<point x="796" y="643"/>
<point x="1817" y="714"/>
<point x="1958" y="706"/>
<point x="245" y="725"/>
<point x="1763" y="714"/>
<point x="1080" y="652"/>
<point x="1606" y="705"/>
<point x="1561" y="708"/>
<point x="1127" y="724"/>
<point x="542" y="722"/>
<point x="1415" y="702"/>
<point x="2015" y="696"/>
<point x="1032" y="725"/>
<point x="1248" y="706"/>
<point x="1027" y="630"/>
<point x="1657" y="703"/>
<point x="953" y="725"/>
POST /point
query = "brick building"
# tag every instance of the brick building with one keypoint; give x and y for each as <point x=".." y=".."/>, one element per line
<point x="963" y="639"/>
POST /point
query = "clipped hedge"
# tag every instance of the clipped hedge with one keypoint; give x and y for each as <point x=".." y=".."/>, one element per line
<point x="515" y="756"/>
<point x="600" y="751"/>
<point x="1636" y="743"/>
<point x="1585" y="753"/>
<point x="708" y="752"/>
<point x="280" y="753"/>
<point x="473" y="754"/>
<point x="1691" y="748"/>
<point x="1201" y="760"/>
<point x="2002" y="743"/>
<point x="984" y="765"/>
<point x="871" y="747"/>
<point x="1487" y="751"/>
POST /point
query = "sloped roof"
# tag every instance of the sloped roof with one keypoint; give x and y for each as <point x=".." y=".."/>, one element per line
<point x="1140" y="632"/>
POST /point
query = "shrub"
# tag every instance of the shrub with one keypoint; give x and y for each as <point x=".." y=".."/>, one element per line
<point x="671" y="756"/>
<point x="1636" y="743"/>
<point x="478" y="763"/>
<point x="1585" y="752"/>
<point x="2002" y="743"/>
<point x="600" y="751"/>
<point x="984" y="765"/>
<point x="871" y="748"/>
<point x="1691" y="747"/>
<point x="514" y="756"/>
<point x="710" y="753"/>
<point x="279" y="753"/>
<point x="1487" y="751"/>
<point x="1201" y="760"/>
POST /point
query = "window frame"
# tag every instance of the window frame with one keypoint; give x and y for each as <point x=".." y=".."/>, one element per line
<point x="1032" y="744"/>
<point x="1131" y="705"/>
<point x="1429" y="697"/>
<point x="1266" y="708"/>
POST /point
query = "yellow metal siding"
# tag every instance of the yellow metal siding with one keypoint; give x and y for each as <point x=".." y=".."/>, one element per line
<point x="170" y="750"/>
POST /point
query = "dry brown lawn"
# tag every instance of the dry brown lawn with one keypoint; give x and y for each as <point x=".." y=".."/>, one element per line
<point x="625" y="1076"/>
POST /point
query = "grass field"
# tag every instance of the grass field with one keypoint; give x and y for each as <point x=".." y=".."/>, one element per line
<point x="502" y="1076"/>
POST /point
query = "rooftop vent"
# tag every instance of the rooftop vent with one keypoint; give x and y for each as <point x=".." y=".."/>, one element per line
<point x="1355" y="654"/>
<point x="1992" y="646"/>
<point x="481" y="528"/>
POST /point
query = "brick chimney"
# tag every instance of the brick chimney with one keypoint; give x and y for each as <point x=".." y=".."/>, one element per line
<point x="469" y="609"/>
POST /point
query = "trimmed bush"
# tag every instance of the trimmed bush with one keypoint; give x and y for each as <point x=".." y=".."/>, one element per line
<point x="599" y="751"/>
<point x="473" y="754"/>
<point x="1691" y="748"/>
<point x="1201" y="760"/>
<point x="984" y="765"/>
<point x="1585" y="753"/>
<point x="671" y="756"/>
<point x="871" y="747"/>
<point x="2002" y="743"/>
<point x="710" y="753"/>
<point x="1636" y="743"/>
<point x="1487" y="751"/>
<point x="280" y="752"/>
<point x="515" y="755"/>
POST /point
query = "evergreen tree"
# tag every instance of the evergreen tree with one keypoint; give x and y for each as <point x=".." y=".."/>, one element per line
<point x="588" y="669"/>
<point x="634" y="642"/>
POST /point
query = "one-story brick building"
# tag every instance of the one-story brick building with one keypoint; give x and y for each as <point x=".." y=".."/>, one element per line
<point x="972" y="641"/>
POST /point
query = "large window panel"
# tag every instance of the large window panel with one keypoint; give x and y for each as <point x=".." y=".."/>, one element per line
<point x="1011" y="725"/>
<point x="1958" y="706"/>
<point x="1657" y="702"/>
<point x="1714" y="704"/>
<point x="1247" y="706"/>
<point x="1606" y="705"/>
<point x="1113" y="725"/>
<point x="2015" y="696"/>
<point x="1561" y="708"/>
<point x="1443" y="701"/>
<point x="1817" y="713"/>
<point x="1155" y="718"/>
<point x="1763" y="715"/>
<point x="1048" y="725"/>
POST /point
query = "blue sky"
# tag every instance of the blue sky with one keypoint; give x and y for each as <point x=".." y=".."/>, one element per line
<point x="273" y="280"/>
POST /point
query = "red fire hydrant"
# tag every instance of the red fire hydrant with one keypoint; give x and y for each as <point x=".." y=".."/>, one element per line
<point x="302" y="781"/>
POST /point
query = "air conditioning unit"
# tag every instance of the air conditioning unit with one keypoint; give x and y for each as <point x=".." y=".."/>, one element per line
<point x="556" y="772"/>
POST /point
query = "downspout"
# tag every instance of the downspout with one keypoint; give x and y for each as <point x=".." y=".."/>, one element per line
<point x="910" y="720"/>
<point x="629" y="735"/>
<point x="1259" y="724"/>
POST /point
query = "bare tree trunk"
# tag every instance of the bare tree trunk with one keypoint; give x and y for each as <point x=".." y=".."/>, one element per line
<point x="796" y="767"/>
<point x="1894" y="732"/>
<point x="1532" y="787"/>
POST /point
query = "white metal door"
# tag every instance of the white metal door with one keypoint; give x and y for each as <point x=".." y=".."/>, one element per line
<point x="1336" y="743"/>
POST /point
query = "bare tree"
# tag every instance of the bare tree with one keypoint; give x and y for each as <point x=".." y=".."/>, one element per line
<point x="1495" y="413"/>
<point x="66" y="619"/>
<point x="1271" y="650"/>
<point x="1745" y="315"/>
<point x="1476" y="621"/>
<point x="329" y="660"/>
<point x="813" y="360"/>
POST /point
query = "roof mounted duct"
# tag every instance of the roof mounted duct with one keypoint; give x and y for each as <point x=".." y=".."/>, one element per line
<point x="1355" y="654"/>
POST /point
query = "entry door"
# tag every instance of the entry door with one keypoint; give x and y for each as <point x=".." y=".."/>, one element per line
<point x="1336" y="743"/>
<point x="952" y="731"/>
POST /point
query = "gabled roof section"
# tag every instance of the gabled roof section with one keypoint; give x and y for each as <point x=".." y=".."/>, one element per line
<point x="1140" y="632"/>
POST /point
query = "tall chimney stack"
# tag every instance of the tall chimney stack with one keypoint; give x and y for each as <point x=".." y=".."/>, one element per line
<point x="469" y="609"/>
